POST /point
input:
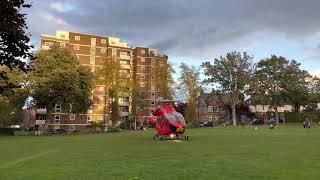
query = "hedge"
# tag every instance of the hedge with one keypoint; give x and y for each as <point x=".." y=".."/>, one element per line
<point x="301" y="116"/>
<point x="7" y="131"/>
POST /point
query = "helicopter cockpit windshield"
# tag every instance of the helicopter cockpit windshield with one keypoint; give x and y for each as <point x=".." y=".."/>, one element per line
<point x="174" y="117"/>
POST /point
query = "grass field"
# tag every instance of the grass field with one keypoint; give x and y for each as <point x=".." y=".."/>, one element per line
<point x="287" y="152"/>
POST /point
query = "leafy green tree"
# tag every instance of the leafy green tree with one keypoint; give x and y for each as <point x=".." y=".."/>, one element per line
<point x="277" y="81"/>
<point x="164" y="81"/>
<point x="58" y="78"/>
<point x="13" y="39"/>
<point x="139" y="102"/>
<point x="189" y="82"/>
<point x="117" y="83"/>
<point x="298" y="89"/>
<point x="230" y="75"/>
<point x="13" y="100"/>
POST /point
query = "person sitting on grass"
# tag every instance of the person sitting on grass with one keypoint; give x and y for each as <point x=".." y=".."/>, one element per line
<point x="306" y="123"/>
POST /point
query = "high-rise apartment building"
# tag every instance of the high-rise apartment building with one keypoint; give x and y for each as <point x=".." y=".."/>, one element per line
<point x="138" y="63"/>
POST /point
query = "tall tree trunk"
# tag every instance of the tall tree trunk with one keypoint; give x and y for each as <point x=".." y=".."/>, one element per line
<point x="277" y="114"/>
<point x="234" y="117"/>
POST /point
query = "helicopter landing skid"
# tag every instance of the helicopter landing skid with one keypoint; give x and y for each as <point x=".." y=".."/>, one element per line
<point x="169" y="137"/>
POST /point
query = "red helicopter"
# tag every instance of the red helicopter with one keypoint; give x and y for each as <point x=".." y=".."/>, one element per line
<point x="168" y="123"/>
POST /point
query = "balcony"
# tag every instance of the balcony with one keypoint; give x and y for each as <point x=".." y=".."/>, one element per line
<point x="125" y="57"/>
<point x="125" y="66"/>
<point x="123" y="103"/>
<point x="124" y="113"/>
<point x="41" y="111"/>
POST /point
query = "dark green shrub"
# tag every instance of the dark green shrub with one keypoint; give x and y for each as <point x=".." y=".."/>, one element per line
<point x="301" y="116"/>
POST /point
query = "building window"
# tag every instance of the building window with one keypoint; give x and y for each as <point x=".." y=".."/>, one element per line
<point x="152" y="102"/>
<point x="77" y="38"/>
<point x="102" y="60"/>
<point x="72" y="117"/>
<point x="103" y="41"/>
<point x="48" y="44"/>
<point x="92" y="51"/>
<point x="143" y="60"/>
<point x="88" y="118"/>
<point x="62" y="36"/>
<point x="93" y="41"/>
<point x="101" y="88"/>
<point x="143" y="68"/>
<point x="103" y="51"/>
<point x="57" y="119"/>
<point x="62" y="45"/>
<point x="215" y="109"/>
<point x="114" y="52"/>
<point x="72" y="128"/>
<point x="152" y="77"/>
<point x="142" y="85"/>
<point x="122" y="53"/>
<point x="76" y="47"/>
<point x="92" y="59"/>
<point x="57" y="108"/>
<point x="143" y="51"/>
<point x="142" y="77"/>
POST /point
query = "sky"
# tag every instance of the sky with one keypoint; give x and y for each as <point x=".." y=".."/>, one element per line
<point x="191" y="31"/>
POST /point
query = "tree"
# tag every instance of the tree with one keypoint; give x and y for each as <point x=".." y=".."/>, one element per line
<point x="190" y="83"/>
<point x="58" y="78"/>
<point x="13" y="100"/>
<point x="297" y="90"/>
<point x="13" y="39"/>
<point x="139" y="103"/>
<point x="164" y="81"/>
<point x="276" y="79"/>
<point x="117" y="83"/>
<point x="230" y="75"/>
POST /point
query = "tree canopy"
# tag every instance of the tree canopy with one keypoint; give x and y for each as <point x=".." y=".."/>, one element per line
<point x="189" y="82"/>
<point x="13" y="39"/>
<point x="58" y="78"/>
<point x="230" y="75"/>
<point x="164" y="81"/>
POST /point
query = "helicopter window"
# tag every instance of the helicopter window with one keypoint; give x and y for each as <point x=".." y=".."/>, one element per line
<point x="175" y="117"/>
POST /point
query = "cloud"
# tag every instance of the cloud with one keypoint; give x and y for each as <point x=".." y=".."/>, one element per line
<point x="190" y="28"/>
<point x="60" y="7"/>
<point x="51" y="19"/>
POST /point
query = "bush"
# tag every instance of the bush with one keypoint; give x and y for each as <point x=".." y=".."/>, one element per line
<point x="301" y="116"/>
<point x="7" y="131"/>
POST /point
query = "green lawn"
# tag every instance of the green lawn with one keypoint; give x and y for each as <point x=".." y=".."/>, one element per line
<point x="287" y="152"/>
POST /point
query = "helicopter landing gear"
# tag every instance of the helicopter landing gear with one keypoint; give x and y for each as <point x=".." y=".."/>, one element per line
<point x="155" y="137"/>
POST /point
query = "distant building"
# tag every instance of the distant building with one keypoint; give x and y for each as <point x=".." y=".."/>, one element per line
<point x="138" y="63"/>
<point x="209" y="108"/>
